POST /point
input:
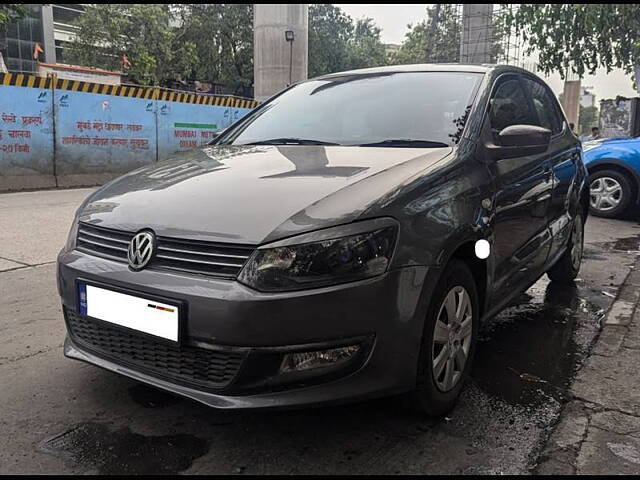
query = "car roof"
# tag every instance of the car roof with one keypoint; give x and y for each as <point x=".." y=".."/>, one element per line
<point x="425" y="67"/>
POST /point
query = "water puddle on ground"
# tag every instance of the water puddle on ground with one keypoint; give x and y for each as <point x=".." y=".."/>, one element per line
<point x="532" y="349"/>
<point x="122" y="452"/>
<point x="628" y="244"/>
<point x="529" y="353"/>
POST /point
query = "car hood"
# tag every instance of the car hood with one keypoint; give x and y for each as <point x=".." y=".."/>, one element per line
<point x="253" y="194"/>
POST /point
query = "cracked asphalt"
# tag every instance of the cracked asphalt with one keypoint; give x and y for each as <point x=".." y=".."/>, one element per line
<point x="61" y="416"/>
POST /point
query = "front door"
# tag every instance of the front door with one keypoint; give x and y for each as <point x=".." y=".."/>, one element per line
<point x="564" y="157"/>
<point x="523" y="187"/>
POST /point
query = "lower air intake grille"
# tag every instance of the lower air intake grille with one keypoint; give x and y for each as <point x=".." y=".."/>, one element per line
<point x="187" y="365"/>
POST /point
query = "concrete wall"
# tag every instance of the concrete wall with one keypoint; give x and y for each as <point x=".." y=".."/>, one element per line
<point x="61" y="133"/>
<point x="272" y="53"/>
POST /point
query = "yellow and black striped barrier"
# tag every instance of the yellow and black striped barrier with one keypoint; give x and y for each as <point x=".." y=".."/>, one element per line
<point x="149" y="93"/>
<point x="22" y="80"/>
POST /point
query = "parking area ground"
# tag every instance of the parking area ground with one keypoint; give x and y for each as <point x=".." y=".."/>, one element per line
<point x="62" y="416"/>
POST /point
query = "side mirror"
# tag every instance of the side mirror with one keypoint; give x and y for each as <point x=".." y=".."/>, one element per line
<point x="520" y="141"/>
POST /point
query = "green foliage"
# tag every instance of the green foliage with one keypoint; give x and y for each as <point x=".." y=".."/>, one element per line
<point x="436" y="39"/>
<point x="142" y="32"/>
<point x="329" y="32"/>
<point x="336" y="43"/>
<point x="580" y="37"/>
<point x="10" y="12"/>
<point x="365" y="48"/>
<point x="211" y="42"/>
<point x="588" y="118"/>
<point x="223" y="39"/>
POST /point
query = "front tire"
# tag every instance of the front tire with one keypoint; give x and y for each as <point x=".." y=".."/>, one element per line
<point x="567" y="267"/>
<point x="610" y="193"/>
<point x="448" y="340"/>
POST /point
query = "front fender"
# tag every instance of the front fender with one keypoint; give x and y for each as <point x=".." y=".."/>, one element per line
<point x="439" y="210"/>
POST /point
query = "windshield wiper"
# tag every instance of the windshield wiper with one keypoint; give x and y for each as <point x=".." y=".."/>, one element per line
<point x="405" y="142"/>
<point x="290" y="141"/>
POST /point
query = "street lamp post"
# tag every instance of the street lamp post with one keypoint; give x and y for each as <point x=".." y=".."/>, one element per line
<point x="289" y="37"/>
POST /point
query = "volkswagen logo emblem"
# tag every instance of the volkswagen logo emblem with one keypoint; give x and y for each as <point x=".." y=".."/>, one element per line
<point x="141" y="249"/>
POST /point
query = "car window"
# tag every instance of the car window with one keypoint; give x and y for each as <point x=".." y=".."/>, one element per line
<point x="544" y="106"/>
<point x="509" y="106"/>
<point x="429" y="108"/>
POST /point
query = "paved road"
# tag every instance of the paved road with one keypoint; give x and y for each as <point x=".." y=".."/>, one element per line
<point x="62" y="416"/>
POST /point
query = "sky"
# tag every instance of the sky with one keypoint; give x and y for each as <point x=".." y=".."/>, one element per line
<point x="393" y="20"/>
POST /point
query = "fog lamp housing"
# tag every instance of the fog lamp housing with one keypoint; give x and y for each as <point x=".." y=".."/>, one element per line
<point x="302" y="361"/>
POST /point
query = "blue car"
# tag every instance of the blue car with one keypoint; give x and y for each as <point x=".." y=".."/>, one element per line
<point x="614" y="175"/>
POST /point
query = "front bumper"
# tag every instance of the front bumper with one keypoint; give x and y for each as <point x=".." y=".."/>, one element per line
<point x="385" y="313"/>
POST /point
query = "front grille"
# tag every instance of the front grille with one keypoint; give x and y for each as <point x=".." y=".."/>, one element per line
<point x="192" y="256"/>
<point x="185" y="364"/>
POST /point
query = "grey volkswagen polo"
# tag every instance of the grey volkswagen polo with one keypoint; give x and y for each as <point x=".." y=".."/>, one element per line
<point x="342" y="241"/>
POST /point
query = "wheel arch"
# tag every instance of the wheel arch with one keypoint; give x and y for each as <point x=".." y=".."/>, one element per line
<point x="464" y="250"/>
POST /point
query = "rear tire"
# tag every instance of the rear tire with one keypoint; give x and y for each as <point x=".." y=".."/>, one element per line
<point x="567" y="267"/>
<point x="610" y="193"/>
<point x="448" y="340"/>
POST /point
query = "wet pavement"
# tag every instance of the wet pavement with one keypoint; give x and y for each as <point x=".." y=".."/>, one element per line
<point x="122" y="452"/>
<point x="61" y="416"/>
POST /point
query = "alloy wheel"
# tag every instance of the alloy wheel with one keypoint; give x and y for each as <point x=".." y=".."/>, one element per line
<point x="452" y="338"/>
<point x="605" y="193"/>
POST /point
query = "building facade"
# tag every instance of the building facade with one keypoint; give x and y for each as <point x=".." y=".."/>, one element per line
<point x="587" y="99"/>
<point x="49" y="25"/>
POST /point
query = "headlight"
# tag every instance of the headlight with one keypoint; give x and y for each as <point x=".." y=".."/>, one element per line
<point x="321" y="263"/>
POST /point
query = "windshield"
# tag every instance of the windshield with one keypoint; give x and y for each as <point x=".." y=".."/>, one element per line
<point x="412" y="109"/>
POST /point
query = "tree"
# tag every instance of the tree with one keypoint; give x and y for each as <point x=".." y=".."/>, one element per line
<point x="211" y="42"/>
<point x="172" y="42"/>
<point x="365" y="47"/>
<point x="434" y="40"/>
<point x="437" y="39"/>
<point x="336" y="43"/>
<point x="223" y="38"/>
<point x="11" y="12"/>
<point x="156" y="50"/>
<point x="330" y="30"/>
<point x="580" y="37"/>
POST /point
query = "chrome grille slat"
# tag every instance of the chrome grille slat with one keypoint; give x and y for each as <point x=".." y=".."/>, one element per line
<point x="193" y="252"/>
<point x="184" y="269"/>
<point x="188" y="256"/>
<point x="104" y="237"/>
<point x="107" y="232"/>
<point x="108" y="256"/>
<point x="100" y="244"/>
<point x="205" y="262"/>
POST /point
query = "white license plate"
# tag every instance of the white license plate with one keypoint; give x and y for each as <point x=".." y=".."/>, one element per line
<point x="148" y="316"/>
